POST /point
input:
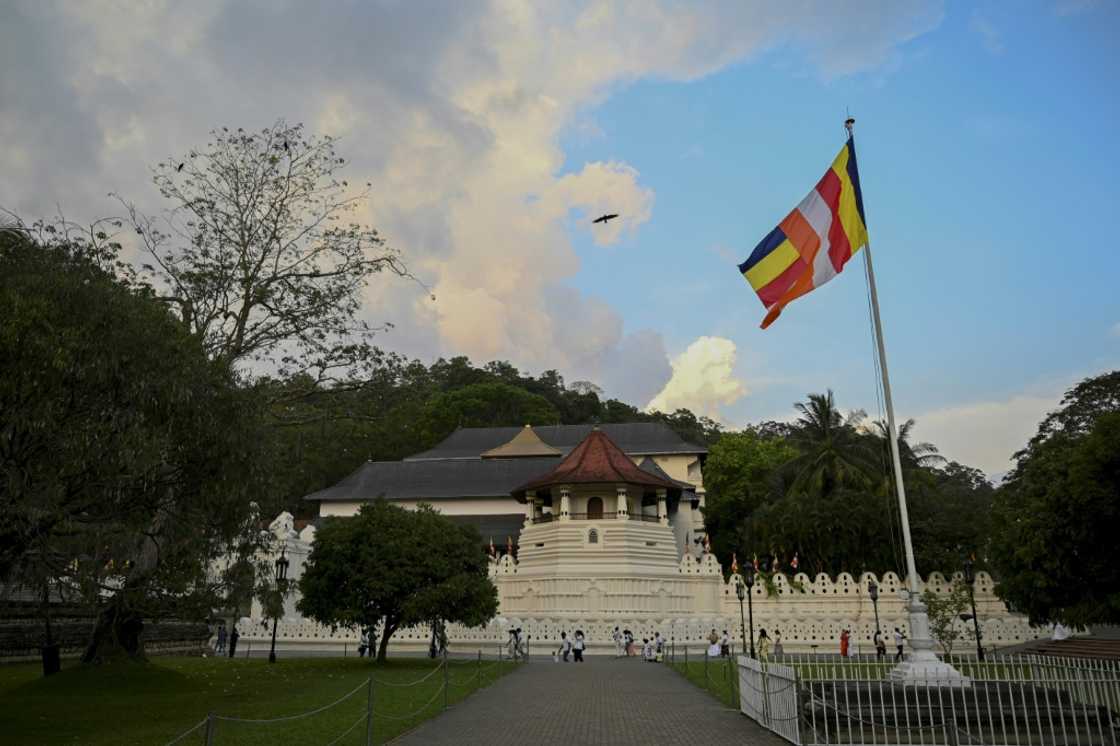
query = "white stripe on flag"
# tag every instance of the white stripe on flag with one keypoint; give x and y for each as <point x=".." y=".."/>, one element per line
<point x="819" y="215"/>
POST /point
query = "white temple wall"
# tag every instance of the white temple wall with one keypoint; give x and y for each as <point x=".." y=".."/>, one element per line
<point x="450" y="506"/>
<point x="683" y="605"/>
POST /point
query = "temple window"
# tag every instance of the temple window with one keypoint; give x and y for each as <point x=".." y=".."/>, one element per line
<point x="593" y="536"/>
<point x="595" y="509"/>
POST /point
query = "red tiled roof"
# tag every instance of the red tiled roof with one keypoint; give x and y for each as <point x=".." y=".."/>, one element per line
<point x="596" y="460"/>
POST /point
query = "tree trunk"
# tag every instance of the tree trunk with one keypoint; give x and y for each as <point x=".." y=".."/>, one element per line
<point x="383" y="647"/>
<point x="117" y="634"/>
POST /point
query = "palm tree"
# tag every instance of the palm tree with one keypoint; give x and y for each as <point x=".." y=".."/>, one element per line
<point x="833" y="453"/>
<point x="917" y="455"/>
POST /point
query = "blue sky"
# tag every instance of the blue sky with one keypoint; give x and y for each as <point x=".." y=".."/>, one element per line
<point x="492" y="131"/>
<point x="988" y="161"/>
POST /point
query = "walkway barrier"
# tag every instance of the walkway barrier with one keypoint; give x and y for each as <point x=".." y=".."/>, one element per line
<point x="1013" y="699"/>
<point x="448" y="673"/>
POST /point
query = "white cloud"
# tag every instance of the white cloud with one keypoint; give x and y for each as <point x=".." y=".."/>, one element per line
<point x="985" y="434"/>
<point x="703" y="379"/>
<point x="456" y="123"/>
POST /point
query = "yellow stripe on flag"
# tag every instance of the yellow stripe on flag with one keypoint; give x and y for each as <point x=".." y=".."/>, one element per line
<point x="776" y="262"/>
<point x="848" y="210"/>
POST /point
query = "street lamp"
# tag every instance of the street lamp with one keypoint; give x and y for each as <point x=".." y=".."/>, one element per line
<point x="281" y="575"/>
<point x="969" y="577"/>
<point x="745" y="593"/>
<point x="873" y="592"/>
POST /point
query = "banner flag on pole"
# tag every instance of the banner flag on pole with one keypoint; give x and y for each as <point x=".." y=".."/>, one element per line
<point x="814" y="242"/>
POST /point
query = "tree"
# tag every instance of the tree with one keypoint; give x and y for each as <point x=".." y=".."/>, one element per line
<point x="945" y="610"/>
<point x="127" y="459"/>
<point x="833" y="452"/>
<point x="740" y="476"/>
<point x="1055" y="520"/>
<point x="260" y="254"/>
<point x="485" y="405"/>
<point x="389" y="567"/>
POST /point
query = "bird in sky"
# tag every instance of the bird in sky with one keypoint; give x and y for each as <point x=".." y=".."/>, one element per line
<point x="180" y="167"/>
<point x="605" y="218"/>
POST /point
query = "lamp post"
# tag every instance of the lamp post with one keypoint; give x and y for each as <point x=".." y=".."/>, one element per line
<point x="969" y="577"/>
<point x="281" y="575"/>
<point x="873" y="592"/>
<point x="745" y="593"/>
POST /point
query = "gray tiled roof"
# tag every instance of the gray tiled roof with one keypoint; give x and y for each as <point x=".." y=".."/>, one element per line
<point x="650" y="466"/>
<point x="401" y="480"/>
<point x="635" y="438"/>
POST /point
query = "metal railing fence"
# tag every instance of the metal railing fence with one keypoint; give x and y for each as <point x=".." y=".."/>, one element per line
<point x="468" y="673"/>
<point x="1011" y="699"/>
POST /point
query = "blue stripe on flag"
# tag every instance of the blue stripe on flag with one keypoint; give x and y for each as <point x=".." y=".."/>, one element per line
<point x="768" y="244"/>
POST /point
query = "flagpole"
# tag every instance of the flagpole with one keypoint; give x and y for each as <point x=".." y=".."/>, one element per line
<point x="923" y="663"/>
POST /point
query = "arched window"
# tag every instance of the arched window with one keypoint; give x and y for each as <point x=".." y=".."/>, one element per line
<point x="595" y="508"/>
<point x="593" y="535"/>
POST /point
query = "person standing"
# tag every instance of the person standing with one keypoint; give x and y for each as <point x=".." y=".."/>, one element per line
<point x="565" y="646"/>
<point x="658" y="646"/>
<point x="233" y="637"/>
<point x="617" y="637"/>
<point x="578" y="646"/>
<point x="220" y="645"/>
<point x="880" y="646"/>
<point x="763" y="645"/>
<point x="844" y="638"/>
<point x="628" y="638"/>
<point x="363" y="642"/>
<point x="899" y="639"/>
<point x="725" y="645"/>
<point x="778" y="643"/>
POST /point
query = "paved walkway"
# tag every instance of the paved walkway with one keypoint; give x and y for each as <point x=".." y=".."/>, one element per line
<point x="602" y="701"/>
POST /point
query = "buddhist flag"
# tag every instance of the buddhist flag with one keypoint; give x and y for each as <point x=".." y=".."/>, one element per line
<point x="814" y="242"/>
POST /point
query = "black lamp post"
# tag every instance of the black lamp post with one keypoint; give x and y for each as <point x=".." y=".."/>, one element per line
<point x="969" y="577"/>
<point x="873" y="592"/>
<point x="745" y="593"/>
<point x="281" y="575"/>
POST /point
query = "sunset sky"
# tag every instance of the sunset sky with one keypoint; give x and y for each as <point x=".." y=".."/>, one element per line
<point x="493" y="132"/>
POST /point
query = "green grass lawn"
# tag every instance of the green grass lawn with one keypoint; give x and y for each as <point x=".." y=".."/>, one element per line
<point x="719" y="677"/>
<point x="152" y="703"/>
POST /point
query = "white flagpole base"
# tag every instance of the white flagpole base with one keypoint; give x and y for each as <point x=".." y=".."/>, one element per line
<point x="923" y="667"/>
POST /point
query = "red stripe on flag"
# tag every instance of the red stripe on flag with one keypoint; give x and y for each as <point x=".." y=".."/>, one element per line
<point x="773" y="290"/>
<point x="839" y="250"/>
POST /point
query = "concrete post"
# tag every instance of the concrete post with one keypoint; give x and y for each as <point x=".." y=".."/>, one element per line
<point x="530" y="507"/>
<point x="565" y="504"/>
<point x="622" y="503"/>
<point x="662" y="508"/>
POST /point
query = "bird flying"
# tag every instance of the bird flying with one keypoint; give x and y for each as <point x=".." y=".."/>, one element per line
<point x="180" y="167"/>
<point x="605" y="218"/>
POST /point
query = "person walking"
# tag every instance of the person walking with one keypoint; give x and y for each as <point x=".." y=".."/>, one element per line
<point x="578" y="646"/>
<point x="220" y="645"/>
<point x="658" y="646"/>
<point x="763" y="645"/>
<point x="628" y="638"/>
<point x="880" y="646"/>
<point x="725" y="645"/>
<point x="617" y="637"/>
<point x="233" y="637"/>
<point x="363" y="642"/>
<point x="565" y="646"/>
<point x="778" y="643"/>
<point x="844" y="639"/>
<point x="899" y="641"/>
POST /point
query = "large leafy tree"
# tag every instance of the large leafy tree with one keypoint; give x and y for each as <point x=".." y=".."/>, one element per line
<point x="833" y="451"/>
<point x="388" y="567"/>
<point x="261" y="254"/>
<point x="127" y="458"/>
<point x="485" y="405"/>
<point x="1056" y="515"/>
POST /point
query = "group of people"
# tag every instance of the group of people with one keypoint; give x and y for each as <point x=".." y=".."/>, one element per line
<point x="222" y="637"/>
<point x="847" y="649"/>
<point x="626" y="645"/>
<point x="573" y="647"/>
<point x="720" y="645"/>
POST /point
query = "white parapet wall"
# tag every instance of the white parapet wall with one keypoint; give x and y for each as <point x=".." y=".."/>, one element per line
<point x="683" y="603"/>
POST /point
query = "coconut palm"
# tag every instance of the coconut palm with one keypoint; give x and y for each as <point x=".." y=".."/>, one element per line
<point x="913" y="455"/>
<point x="833" y="451"/>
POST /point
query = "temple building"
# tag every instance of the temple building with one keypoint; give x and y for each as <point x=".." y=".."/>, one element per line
<point x="473" y="475"/>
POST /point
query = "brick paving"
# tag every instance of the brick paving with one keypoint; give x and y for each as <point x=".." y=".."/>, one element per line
<point x="602" y="701"/>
